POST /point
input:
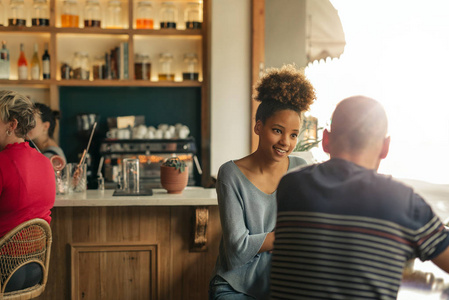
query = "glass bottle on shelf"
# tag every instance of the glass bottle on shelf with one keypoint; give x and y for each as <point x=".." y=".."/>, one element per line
<point x="92" y="14"/>
<point x="35" y="65"/>
<point x="142" y="67"/>
<point x="70" y="14"/>
<point x="46" y="63"/>
<point x="80" y="66"/>
<point x="98" y="67"/>
<point x="66" y="70"/>
<point x="144" y="15"/>
<point x="165" y="67"/>
<point x="16" y="13"/>
<point x="192" y="15"/>
<point x="41" y="13"/>
<point x="114" y="15"/>
<point x="4" y="62"/>
<point x="190" y="71"/>
<point x="168" y="15"/>
<point x="22" y="64"/>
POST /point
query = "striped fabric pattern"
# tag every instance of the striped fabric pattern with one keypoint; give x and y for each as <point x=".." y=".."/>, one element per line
<point x="327" y="256"/>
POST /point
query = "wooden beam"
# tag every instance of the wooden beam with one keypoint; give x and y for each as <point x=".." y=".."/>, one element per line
<point x="257" y="58"/>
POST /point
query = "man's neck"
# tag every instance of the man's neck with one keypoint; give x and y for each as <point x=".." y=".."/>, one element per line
<point x="361" y="159"/>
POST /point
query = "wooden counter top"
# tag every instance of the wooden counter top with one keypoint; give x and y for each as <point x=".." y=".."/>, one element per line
<point x="191" y="196"/>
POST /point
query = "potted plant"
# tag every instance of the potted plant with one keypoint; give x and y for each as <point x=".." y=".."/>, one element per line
<point x="174" y="175"/>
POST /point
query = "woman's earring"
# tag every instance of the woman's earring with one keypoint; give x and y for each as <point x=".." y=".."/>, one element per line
<point x="8" y="132"/>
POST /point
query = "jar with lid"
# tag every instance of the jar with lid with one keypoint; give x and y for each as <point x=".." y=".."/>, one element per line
<point x="192" y="16"/>
<point x="114" y="14"/>
<point x="190" y="71"/>
<point x="66" y="70"/>
<point x="17" y="13"/>
<point x="99" y="67"/>
<point x="166" y="72"/>
<point x="92" y="14"/>
<point x="41" y="13"/>
<point x="80" y="66"/>
<point x="142" y="67"/>
<point x="144" y="15"/>
<point x="168" y="15"/>
<point x="70" y="14"/>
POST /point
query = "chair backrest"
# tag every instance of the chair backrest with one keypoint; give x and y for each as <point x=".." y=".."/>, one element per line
<point x="28" y="242"/>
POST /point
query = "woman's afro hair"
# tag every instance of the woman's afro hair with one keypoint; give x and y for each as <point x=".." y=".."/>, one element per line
<point x="286" y="85"/>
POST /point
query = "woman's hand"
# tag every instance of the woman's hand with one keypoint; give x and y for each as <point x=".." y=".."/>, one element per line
<point x="268" y="243"/>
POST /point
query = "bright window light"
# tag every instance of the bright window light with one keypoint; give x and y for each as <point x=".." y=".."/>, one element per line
<point x="397" y="52"/>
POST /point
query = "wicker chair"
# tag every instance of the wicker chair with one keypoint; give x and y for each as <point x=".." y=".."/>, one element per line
<point x="29" y="242"/>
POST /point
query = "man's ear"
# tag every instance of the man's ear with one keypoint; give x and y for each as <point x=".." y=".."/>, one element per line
<point x="325" y="141"/>
<point x="258" y="127"/>
<point x="385" y="148"/>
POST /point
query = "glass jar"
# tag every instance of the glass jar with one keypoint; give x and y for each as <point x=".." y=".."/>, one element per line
<point x="99" y="67"/>
<point x="81" y="66"/>
<point x="17" y="13"/>
<point x="70" y="14"/>
<point x="66" y="70"/>
<point x="192" y="16"/>
<point x="142" y="67"/>
<point x="169" y="15"/>
<point x="41" y="13"/>
<point x="165" y="67"/>
<point x="190" y="71"/>
<point x="144" y="15"/>
<point x="114" y="15"/>
<point x="92" y="14"/>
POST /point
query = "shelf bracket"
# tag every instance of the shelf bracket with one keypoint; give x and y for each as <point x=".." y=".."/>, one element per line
<point x="200" y="221"/>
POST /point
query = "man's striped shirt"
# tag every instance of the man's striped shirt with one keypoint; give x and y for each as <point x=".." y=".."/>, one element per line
<point x="345" y="232"/>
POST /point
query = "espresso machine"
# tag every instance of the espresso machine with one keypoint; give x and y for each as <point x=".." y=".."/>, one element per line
<point x="151" y="153"/>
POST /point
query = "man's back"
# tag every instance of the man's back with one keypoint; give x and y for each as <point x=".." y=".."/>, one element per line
<point x="345" y="232"/>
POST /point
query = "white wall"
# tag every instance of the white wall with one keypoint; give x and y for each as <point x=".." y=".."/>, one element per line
<point x="285" y="36"/>
<point x="230" y="80"/>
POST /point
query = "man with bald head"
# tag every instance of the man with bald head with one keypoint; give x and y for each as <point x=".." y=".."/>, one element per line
<point x="344" y="231"/>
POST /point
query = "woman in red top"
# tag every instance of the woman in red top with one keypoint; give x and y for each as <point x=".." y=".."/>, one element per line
<point x="27" y="179"/>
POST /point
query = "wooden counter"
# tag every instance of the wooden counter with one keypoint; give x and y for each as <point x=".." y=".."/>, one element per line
<point x="154" y="247"/>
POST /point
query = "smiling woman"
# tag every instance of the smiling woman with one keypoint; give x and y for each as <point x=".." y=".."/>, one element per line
<point x="396" y="52"/>
<point x="246" y="187"/>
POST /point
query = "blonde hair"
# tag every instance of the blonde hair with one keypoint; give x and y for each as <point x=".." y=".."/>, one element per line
<point x="16" y="106"/>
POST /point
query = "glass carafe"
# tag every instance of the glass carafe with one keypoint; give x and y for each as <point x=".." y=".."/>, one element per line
<point x="192" y="16"/>
<point x="168" y="15"/>
<point x="17" y="15"/>
<point x="92" y="14"/>
<point x="70" y="14"/>
<point x="41" y="13"/>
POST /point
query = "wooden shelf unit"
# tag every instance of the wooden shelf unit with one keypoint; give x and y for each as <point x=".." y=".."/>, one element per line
<point x="53" y="35"/>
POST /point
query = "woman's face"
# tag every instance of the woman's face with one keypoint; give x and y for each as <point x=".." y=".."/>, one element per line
<point x="4" y="127"/>
<point x="279" y="135"/>
<point x="39" y="130"/>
